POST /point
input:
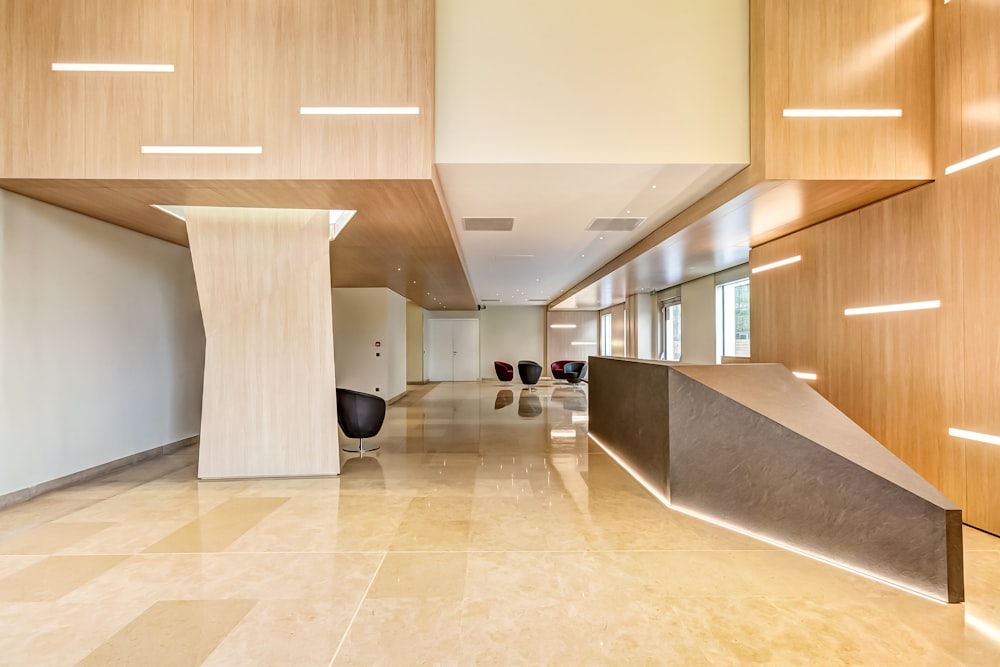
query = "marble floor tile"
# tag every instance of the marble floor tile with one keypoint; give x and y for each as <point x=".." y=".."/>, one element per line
<point x="482" y="532"/>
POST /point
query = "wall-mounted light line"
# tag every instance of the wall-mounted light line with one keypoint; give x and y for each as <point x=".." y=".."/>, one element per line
<point x="202" y="150"/>
<point x="562" y="326"/>
<point x="110" y="67"/>
<point x="359" y="111"/>
<point x="982" y="157"/>
<point x="973" y="435"/>
<point x="893" y="308"/>
<point x="774" y="265"/>
<point x="584" y="342"/>
<point x="804" y="376"/>
<point x="842" y="113"/>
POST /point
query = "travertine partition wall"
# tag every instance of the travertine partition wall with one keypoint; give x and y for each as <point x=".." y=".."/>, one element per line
<point x="269" y="406"/>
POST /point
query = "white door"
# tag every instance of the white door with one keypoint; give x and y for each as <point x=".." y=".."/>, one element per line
<point x="452" y="350"/>
<point x="465" y="343"/>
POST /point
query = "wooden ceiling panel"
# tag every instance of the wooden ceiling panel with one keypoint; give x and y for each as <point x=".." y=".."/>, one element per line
<point x="400" y="237"/>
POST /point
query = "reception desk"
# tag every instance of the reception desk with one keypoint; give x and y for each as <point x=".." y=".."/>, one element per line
<point x="752" y="447"/>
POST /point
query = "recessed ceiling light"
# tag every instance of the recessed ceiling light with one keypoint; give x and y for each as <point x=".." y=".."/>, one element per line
<point x="202" y="150"/>
<point x="842" y="113"/>
<point x="359" y="111"/>
<point x="601" y="237"/>
<point x="110" y="67"/>
<point x="582" y="255"/>
<point x="398" y="268"/>
<point x="654" y="187"/>
<point x="627" y="212"/>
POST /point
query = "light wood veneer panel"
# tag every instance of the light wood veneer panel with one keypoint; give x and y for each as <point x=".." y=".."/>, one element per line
<point x="269" y="406"/>
<point x="367" y="53"/>
<point x="980" y="85"/>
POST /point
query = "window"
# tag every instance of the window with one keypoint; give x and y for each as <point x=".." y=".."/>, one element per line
<point x="670" y="313"/>
<point x="606" y="334"/>
<point x="734" y="321"/>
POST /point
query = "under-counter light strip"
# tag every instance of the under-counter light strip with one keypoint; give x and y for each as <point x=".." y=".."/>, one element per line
<point x="562" y="326"/>
<point x="982" y="157"/>
<point x="842" y="113"/>
<point x="109" y="67"/>
<point x="972" y="435"/>
<point x="737" y="529"/>
<point x="804" y="376"/>
<point x="893" y="308"/>
<point x="359" y="111"/>
<point x="774" y="265"/>
<point x="202" y="150"/>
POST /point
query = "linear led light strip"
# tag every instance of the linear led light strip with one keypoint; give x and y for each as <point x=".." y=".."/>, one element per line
<point x="110" y="67"/>
<point x="562" y="326"/>
<point x="972" y="435"/>
<point x="359" y="111"/>
<point x="202" y="150"/>
<point x="583" y="342"/>
<point x="842" y="113"/>
<point x="804" y="376"/>
<point x="774" y="265"/>
<point x="982" y="157"/>
<point x="743" y="531"/>
<point x="893" y="308"/>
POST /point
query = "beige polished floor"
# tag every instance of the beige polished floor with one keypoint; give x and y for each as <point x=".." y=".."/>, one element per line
<point x="485" y="531"/>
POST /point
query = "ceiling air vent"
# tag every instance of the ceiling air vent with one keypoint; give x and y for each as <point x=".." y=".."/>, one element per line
<point x="615" y="224"/>
<point x="490" y="300"/>
<point x="539" y="300"/>
<point x="488" y="224"/>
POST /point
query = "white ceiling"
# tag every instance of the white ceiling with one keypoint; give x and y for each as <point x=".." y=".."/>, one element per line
<point x="550" y="249"/>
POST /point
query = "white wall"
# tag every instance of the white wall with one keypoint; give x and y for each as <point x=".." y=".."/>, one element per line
<point x="101" y="343"/>
<point x="560" y="341"/>
<point x="506" y="333"/>
<point x="414" y="343"/>
<point x="363" y="316"/>
<point x="698" y="321"/>
<point x="592" y="82"/>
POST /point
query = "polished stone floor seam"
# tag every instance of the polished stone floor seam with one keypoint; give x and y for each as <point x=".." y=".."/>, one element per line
<point x="479" y="534"/>
<point x="357" y="610"/>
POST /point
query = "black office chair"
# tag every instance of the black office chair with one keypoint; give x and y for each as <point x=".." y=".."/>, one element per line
<point x="574" y="371"/>
<point x="530" y="371"/>
<point x="360" y="415"/>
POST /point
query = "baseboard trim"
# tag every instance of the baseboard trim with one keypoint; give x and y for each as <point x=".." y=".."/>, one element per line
<point x="24" y="495"/>
<point x="396" y="398"/>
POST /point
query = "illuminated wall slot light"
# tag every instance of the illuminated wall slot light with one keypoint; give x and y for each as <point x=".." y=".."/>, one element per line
<point x="109" y="67"/>
<point x="972" y="435"/>
<point x="202" y="150"/>
<point x="562" y="326"/>
<point x="774" y="265"/>
<point x="783" y="545"/>
<point x="359" y="111"/>
<point x="842" y="113"/>
<point x="982" y="157"/>
<point x="584" y="342"/>
<point x="893" y="308"/>
<point x="804" y="376"/>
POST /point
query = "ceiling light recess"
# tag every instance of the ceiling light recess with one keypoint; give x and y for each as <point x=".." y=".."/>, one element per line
<point x="110" y="67"/>
<point x="202" y="150"/>
<point x="893" y="308"/>
<point x="774" y="265"/>
<point x="359" y="111"/>
<point x="842" y="113"/>
<point x="972" y="435"/>
<point x="982" y="157"/>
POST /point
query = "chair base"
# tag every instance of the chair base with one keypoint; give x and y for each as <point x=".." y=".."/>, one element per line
<point x="361" y="448"/>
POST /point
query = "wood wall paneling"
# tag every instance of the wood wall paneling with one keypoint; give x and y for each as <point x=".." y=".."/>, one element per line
<point x="363" y="53"/>
<point x="269" y="405"/>
<point x="980" y="55"/>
